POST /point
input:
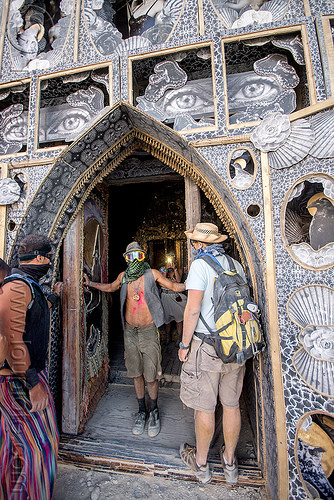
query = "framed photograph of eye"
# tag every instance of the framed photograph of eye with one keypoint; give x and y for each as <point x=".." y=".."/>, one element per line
<point x="241" y="13"/>
<point x="241" y="168"/>
<point x="307" y="221"/>
<point x="176" y="88"/>
<point x="123" y="25"/>
<point x="265" y="74"/>
<point x="14" y="105"/>
<point x="69" y="103"/>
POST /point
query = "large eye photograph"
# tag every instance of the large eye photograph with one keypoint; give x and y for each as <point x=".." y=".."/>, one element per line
<point x="14" y="105"/>
<point x="264" y="74"/>
<point x="172" y="91"/>
<point x="69" y="105"/>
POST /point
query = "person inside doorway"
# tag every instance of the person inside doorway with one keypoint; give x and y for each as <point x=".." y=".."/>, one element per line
<point x="173" y="303"/>
<point x="142" y="315"/>
<point x="203" y="372"/>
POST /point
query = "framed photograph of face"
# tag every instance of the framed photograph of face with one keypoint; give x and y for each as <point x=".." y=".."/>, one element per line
<point x="176" y="87"/>
<point x="268" y="73"/>
<point x="122" y="25"/>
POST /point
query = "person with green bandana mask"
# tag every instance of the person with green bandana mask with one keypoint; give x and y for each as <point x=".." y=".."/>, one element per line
<point x="142" y="314"/>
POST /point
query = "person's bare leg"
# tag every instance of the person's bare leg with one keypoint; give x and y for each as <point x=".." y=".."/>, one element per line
<point x="231" y="430"/>
<point x="152" y="388"/>
<point x="168" y="333"/>
<point x="204" y="429"/>
<point x="139" y="384"/>
<point x="179" y="327"/>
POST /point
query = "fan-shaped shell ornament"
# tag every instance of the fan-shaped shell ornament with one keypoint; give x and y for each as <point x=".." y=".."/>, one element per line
<point x="315" y="361"/>
<point x="323" y="126"/>
<point x="278" y="8"/>
<point x="312" y="308"/>
<point x="132" y="43"/>
<point x="295" y="147"/>
<point x="312" y="305"/>
<point x="294" y="231"/>
<point x="227" y="15"/>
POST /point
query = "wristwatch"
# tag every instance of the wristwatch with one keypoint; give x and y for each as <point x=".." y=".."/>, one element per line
<point x="183" y="346"/>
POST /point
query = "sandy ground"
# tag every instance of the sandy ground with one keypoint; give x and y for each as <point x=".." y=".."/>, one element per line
<point x="78" y="484"/>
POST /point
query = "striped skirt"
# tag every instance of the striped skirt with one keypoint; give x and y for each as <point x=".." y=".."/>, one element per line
<point x="28" y="443"/>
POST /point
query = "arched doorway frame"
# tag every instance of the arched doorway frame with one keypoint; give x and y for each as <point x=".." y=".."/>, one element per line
<point x="102" y="157"/>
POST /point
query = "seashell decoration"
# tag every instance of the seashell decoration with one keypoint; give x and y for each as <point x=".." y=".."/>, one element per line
<point x="312" y="308"/>
<point x="314" y="258"/>
<point x="132" y="43"/>
<point x="323" y="126"/>
<point x="294" y="231"/>
<point x="295" y="147"/>
<point x="312" y="305"/>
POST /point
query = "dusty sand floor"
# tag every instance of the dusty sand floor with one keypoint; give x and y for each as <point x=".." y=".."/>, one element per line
<point x="79" y="484"/>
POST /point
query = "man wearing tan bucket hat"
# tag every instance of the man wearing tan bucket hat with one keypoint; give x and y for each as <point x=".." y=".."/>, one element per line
<point x="204" y="376"/>
<point x="142" y="314"/>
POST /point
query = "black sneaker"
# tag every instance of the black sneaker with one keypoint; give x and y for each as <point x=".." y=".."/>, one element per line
<point x="139" y="425"/>
<point x="153" y="423"/>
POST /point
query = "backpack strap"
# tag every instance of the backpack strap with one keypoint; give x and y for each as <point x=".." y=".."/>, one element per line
<point x="28" y="281"/>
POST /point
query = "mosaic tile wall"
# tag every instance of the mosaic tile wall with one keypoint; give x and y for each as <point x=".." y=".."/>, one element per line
<point x="299" y="397"/>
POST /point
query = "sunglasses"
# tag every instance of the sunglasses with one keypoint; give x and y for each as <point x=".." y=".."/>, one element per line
<point x="131" y="256"/>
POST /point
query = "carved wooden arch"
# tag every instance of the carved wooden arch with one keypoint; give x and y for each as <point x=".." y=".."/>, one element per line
<point x="100" y="150"/>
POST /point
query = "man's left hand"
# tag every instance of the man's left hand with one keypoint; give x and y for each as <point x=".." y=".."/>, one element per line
<point x="57" y="287"/>
<point x="183" y="355"/>
<point x="38" y="397"/>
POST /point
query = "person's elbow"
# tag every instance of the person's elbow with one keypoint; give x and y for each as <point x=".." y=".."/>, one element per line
<point x="193" y="311"/>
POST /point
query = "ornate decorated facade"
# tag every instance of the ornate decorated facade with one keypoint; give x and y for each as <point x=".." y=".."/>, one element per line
<point x="229" y="107"/>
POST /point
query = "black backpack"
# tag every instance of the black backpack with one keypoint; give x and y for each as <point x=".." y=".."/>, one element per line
<point x="235" y="340"/>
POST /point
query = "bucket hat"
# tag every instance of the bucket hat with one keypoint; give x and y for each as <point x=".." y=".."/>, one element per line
<point x="133" y="247"/>
<point x="206" y="233"/>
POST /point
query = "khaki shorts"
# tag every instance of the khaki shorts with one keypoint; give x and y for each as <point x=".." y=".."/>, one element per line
<point x="204" y="376"/>
<point x="142" y="351"/>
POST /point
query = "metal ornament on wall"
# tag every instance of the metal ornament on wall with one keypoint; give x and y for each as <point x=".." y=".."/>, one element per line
<point x="307" y="222"/>
<point x="312" y="309"/>
<point x="36" y="35"/>
<point x="248" y="12"/>
<point x="10" y="191"/>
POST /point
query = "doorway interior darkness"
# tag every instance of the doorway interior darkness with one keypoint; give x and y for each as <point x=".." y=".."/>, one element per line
<point x="151" y="210"/>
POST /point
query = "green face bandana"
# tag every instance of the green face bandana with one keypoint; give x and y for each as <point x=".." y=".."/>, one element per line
<point x="134" y="270"/>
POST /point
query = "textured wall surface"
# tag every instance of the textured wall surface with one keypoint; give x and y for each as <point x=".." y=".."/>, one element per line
<point x="41" y="199"/>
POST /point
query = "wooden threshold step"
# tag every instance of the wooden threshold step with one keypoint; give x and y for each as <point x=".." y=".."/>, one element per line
<point x="148" y="460"/>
